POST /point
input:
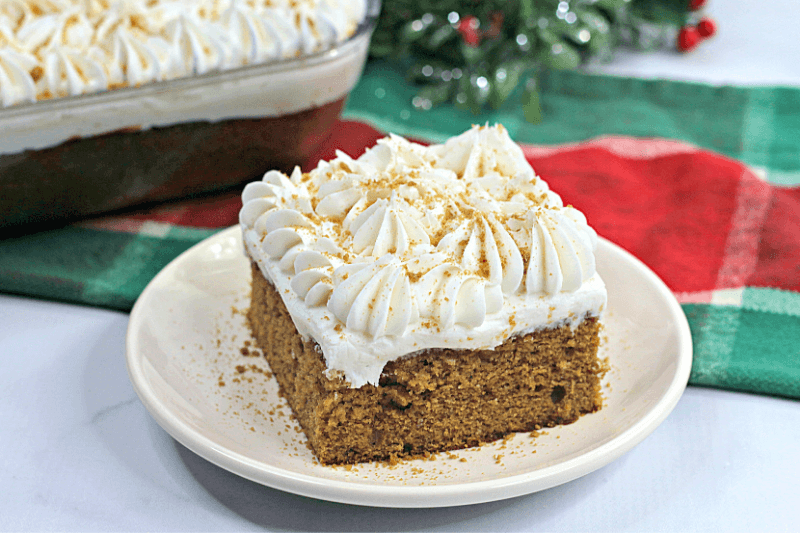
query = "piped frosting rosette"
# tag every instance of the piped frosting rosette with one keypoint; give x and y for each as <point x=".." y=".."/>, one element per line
<point x="409" y="240"/>
<point x="58" y="48"/>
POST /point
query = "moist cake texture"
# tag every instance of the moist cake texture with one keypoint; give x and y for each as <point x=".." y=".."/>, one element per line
<point x="421" y="299"/>
<point x="443" y="399"/>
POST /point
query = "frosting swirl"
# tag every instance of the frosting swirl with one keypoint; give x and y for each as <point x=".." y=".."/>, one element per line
<point x="560" y="247"/>
<point x="16" y="85"/>
<point x="375" y="299"/>
<point x="435" y="236"/>
<point x="51" y="49"/>
<point x="483" y="246"/>
<point x="408" y="247"/>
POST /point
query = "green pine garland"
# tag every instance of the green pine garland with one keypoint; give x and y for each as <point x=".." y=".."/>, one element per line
<point x="476" y="53"/>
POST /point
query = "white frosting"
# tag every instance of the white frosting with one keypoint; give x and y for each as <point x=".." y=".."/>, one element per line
<point x="258" y="91"/>
<point x="57" y="48"/>
<point x="408" y="248"/>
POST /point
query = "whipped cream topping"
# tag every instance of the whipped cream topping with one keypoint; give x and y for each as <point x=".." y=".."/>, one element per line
<point x="406" y="248"/>
<point x="57" y="48"/>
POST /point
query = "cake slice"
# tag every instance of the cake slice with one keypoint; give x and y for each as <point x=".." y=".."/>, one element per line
<point x="420" y="299"/>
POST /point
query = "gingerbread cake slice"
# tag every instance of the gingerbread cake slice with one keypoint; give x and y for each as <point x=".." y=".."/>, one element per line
<point x="420" y="299"/>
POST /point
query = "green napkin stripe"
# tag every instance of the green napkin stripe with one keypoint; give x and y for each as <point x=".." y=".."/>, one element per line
<point x="92" y="266"/>
<point x="577" y="107"/>
<point x="753" y="346"/>
<point x="184" y="233"/>
<point x="45" y="286"/>
<point x="73" y="253"/>
<point x="768" y="300"/>
<point x="120" y="283"/>
<point x="784" y="178"/>
<point x="757" y="129"/>
<point x="745" y="349"/>
<point x="714" y="330"/>
<point x="766" y="357"/>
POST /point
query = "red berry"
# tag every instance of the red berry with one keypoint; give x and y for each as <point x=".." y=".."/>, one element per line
<point x="706" y="27"/>
<point x="468" y="28"/>
<point x="467" y="22"/>
<point x="688" y="38"/>
<point x="694" y="5"/>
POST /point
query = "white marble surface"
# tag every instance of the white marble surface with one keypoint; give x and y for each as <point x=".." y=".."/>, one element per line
<point x="78" y="451"/>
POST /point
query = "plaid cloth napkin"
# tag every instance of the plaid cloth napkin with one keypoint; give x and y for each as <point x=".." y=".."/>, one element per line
<point x="725" y="241"/>
<point x="759" y="126"/>
<point x="723" y="238"/>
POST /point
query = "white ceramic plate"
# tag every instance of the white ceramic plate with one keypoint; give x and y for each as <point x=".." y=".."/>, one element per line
<point x="187" y="333"/>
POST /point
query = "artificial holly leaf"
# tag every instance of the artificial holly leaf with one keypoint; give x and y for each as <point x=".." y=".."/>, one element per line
<point x="531" y="107"/>
<point x="556" y="53"/>
<point x="662" y="11"/>
<point x="380" y="49"/>
<point x="596" y="21"/>
<point x="427" y="71"/>
<point x="527" y="9"/>
<point x="472" y="54"/>
<point x="413" y="30"/>
<point x="611" y="5"/>
<point x="534" y="33"/>
<point x="505" y="80"/>
<point x="602" y="44"/>
<point x="440" y="36"/>
<point x="473" y="92"/>
<point x="546" y="36"/>
<point x="480" y="88"/>
<point x="523" y="42"/>
<point x="577" y="33"/>
<point x="462" y="99"/>
<point x="561" y="56"/>
<point x="437" y="93"/>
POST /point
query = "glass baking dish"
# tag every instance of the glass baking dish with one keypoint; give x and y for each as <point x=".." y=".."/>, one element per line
<point x="70" y="157"/>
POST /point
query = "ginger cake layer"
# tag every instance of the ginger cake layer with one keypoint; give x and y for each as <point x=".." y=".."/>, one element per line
<point x="423" y="298"/>
<point x="442" y="399"/>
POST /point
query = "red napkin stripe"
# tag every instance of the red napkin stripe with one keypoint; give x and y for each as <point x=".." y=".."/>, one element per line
<point x="741" y="248"/>
<point x="705" y="223"/>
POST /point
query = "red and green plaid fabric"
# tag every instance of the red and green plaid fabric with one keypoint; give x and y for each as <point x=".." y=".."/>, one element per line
<point x="759" y="126"/>
<point x="724" y="239"/>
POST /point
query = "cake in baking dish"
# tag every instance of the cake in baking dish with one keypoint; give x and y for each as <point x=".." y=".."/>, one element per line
<point x="114" y="103"/>
<point x="420" y="299"/>
<point x="53" y="49"/>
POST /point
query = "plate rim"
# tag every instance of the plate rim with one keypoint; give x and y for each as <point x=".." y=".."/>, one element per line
<point x="376" y="495"/>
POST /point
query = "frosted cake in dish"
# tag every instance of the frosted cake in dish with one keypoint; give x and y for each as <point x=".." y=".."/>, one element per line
<point x="420" y="299"/>
<point x="58" y="48"/>
<point x="106" y="104"/>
